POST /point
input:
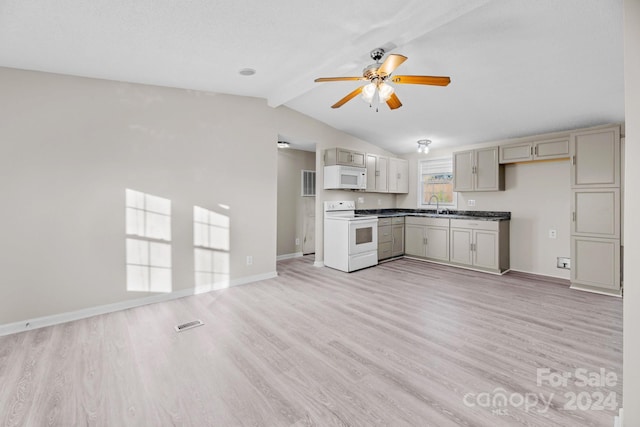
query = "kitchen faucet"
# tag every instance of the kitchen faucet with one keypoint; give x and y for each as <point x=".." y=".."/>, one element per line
<point x="437" y="203"/>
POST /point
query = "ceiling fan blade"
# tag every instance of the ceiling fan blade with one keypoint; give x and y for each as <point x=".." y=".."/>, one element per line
<point x="348" y="98"/>
<point x="337" y="79"/>
<point x="393" y="102"/>
<point x="421" y="80"/>
<point x="389" y="65"/>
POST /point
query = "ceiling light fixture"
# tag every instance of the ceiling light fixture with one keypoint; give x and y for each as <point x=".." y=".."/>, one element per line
<point x="283" y="144"/>
<point x="247" y="72"/>
<point x="381" y="89"/>
<point x="423" y="146"/>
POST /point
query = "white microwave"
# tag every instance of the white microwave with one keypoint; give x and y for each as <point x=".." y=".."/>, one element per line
<point x="345" y="178"/>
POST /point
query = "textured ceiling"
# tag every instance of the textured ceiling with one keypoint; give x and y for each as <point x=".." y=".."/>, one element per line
<point x="517" y="67"/>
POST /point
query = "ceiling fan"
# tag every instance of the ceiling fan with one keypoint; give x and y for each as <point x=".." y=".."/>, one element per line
<point x="379" y="76"/>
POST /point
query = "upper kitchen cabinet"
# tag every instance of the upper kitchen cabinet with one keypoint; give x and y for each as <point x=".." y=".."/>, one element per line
<point x="595" y="158"/>
<point x="398" y="175"/>
<point x="478" y="170"/>
<point x="377" y="173"/>
<point x="535" y="150"/>
<point x="341" y="156"/>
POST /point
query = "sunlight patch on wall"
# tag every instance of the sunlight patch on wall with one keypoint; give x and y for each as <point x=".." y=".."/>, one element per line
<point x="211" y="242"/>
<point x="148" y="255"/>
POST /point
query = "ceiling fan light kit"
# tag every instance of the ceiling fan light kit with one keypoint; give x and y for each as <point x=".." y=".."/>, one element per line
<point x="379" y="76"/>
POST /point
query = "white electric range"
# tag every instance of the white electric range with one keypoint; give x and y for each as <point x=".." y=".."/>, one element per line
<point x="350" y="241"/>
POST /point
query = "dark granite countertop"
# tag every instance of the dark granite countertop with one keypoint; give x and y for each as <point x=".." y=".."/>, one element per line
<point x="451" y="214"/>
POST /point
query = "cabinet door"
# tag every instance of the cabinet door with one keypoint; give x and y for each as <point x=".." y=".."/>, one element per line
<point x="358" y="159"/>
<point x="596" y="212"/>
<point x="516" y="153"/>
<point x="463" y="171"/>
<point x="403" y="176"/>
<point x="487" y="170"/>
<point x="384" y="234"/>
<point x="485" y="249"/>
<point x="595" y="158"/>
<point x="382" y="170"/>
<point x="595" y="262"/>
<point x="460" y="245"/>
<point x="384" y="251"/>
<point x="372" y="164"/>
<point x="397" y="240"/>
<point x="393" y="175"/>
<point x="414" y="240"/>
<point x="343" y="157"/>
<point x="437" y="243"/>
<point x="552" y="149"/>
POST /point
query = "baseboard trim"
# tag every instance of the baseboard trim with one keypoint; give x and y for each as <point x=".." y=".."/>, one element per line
<point x="289" y="256"/>
<point x="555" y="279"/>
<point x="594" y="290"/>
<point x="318" y="263"/>
<point x="56" y="319"/>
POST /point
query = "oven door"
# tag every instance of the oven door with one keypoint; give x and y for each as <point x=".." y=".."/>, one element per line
<point x="363" y="236"/>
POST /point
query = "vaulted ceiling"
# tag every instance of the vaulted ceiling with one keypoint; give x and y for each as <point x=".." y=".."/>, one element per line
<point x="518" y="67"/>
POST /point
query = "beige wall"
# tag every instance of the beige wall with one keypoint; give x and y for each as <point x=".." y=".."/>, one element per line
<point x="70" y="148"/>
<point x="291" y="204"/>
<point x="631" y="380"/>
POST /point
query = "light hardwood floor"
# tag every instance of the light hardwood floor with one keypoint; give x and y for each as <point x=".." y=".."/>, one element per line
<point x="403" y="343"/>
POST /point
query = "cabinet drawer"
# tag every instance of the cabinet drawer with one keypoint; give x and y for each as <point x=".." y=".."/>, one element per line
<point x="384" y="250"/>
<point x="384" y="233"/>
<point x="421" y="220"/>
<point x="475" y="224"/>
<point x="384" y="221"/>
<point x="397" y="220"/>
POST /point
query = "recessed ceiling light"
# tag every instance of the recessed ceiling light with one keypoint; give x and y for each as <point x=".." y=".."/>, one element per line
<point x="247" y="72"/>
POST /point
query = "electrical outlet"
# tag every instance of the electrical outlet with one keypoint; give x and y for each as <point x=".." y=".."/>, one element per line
<point x="471" y="202"/>
<point x="564" y="262"/>
<point x="553" y="234"/>
<point x="360" y="199"/>
<point x="249" y="260"/>
<point x="297" y="241"/>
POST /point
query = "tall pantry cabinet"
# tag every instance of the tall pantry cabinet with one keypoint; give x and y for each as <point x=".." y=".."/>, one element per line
<point x="596" y="210"/>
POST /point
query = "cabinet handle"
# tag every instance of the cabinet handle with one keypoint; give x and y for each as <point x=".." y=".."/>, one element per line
<point x="573" y="216"/>
<point x="377" y="173"/>
<point x="573" y="160"/>
<point x="532" y="150"/>
<point x="535" y="151"/>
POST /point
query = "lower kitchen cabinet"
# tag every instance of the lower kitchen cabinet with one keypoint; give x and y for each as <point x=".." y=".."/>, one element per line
<point x="397" y="236"/>
<point x="427" y="238"/>
<point x="596" y="264"/>
<point x="390" y="237"/>
<point x="482" y="245"/>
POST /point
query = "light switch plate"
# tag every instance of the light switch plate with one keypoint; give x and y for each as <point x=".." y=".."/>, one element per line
<point x="553" y="234"/>
<point x="471" y="202"/>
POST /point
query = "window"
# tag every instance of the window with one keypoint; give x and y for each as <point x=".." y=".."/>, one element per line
<point x="148" y="257"/>
<point x="436" y="178"/>
<point x="211" y="249"/>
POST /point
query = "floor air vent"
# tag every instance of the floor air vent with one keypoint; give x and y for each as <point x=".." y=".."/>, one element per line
<point x="189" y="325"/>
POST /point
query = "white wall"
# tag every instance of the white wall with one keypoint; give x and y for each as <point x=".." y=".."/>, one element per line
<point x="631" y="380"/>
